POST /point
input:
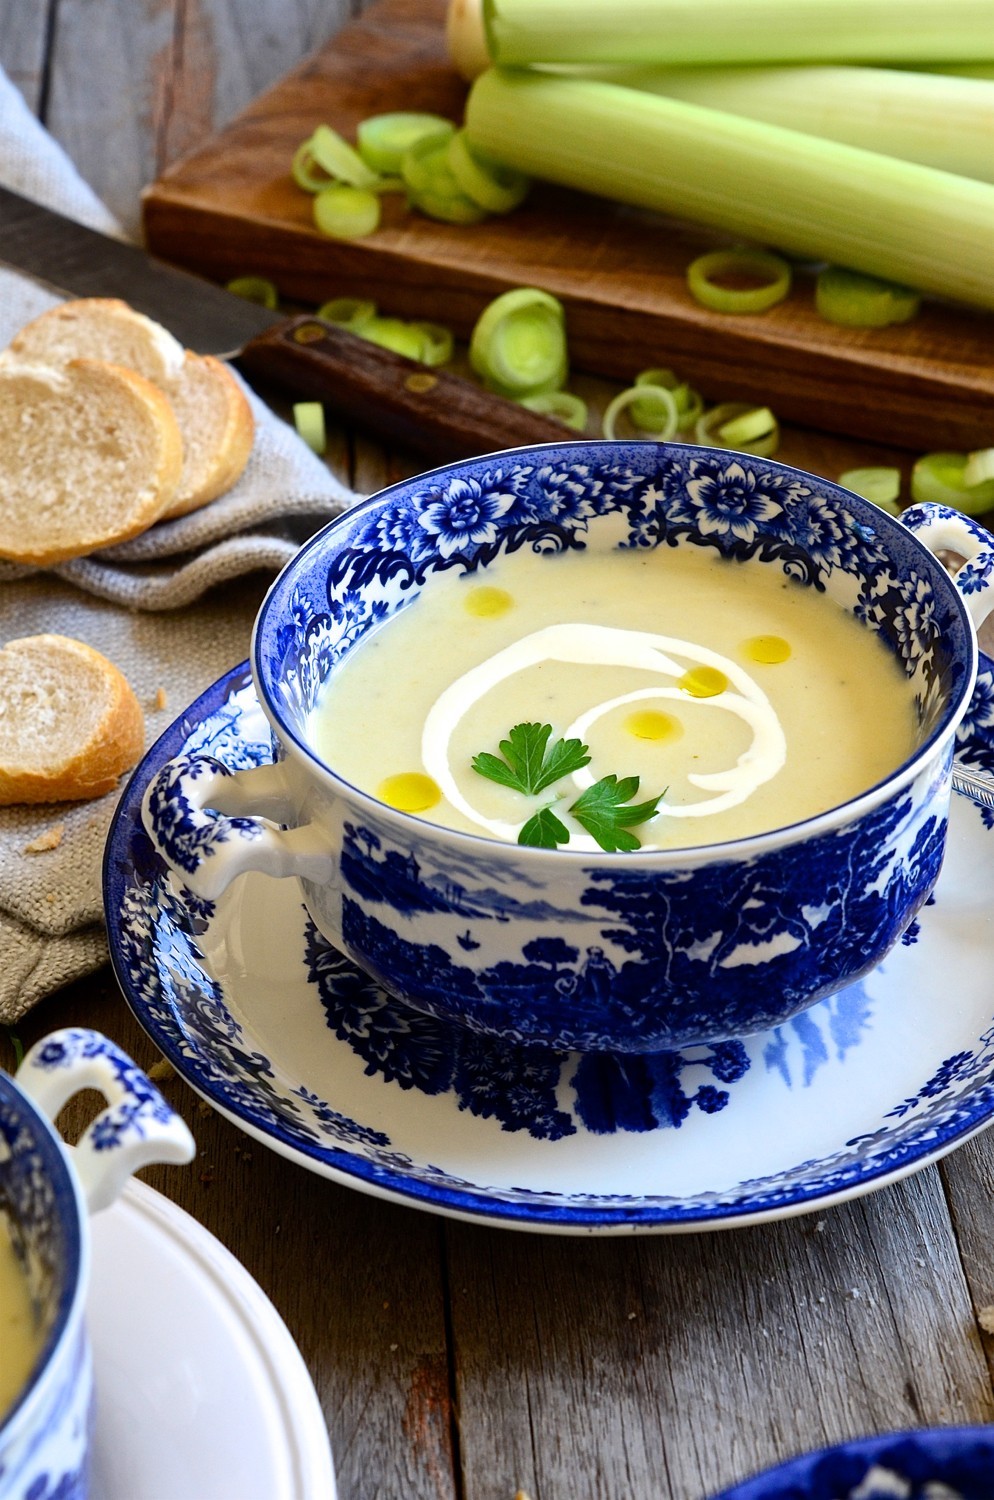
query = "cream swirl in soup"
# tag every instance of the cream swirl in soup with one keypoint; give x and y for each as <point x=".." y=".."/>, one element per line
<point x="745" y="700"/>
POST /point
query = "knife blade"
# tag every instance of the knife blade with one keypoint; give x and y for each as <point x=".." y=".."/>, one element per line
<point x="431" y="411"/>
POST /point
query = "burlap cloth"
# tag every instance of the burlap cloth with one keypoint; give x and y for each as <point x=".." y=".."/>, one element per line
<point x="145" y="604"/>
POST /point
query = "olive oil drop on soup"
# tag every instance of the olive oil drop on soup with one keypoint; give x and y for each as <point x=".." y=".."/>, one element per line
<point x="748" y="700"/>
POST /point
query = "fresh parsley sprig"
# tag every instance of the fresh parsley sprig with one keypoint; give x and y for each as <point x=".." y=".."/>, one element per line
<point x="529" y="765"/>
<point x="605" y="810"/>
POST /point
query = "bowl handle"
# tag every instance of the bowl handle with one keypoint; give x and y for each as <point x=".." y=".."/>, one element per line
<point x="197" y="814"/>
<point x="946" y="530"/>
<point x="136" y="1128"/>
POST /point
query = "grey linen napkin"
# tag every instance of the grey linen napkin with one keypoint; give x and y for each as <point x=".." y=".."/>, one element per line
<point x="144" y="604"/>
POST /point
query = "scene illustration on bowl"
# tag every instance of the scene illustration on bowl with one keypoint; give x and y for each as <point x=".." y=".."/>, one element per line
<point x="694" y="582"/>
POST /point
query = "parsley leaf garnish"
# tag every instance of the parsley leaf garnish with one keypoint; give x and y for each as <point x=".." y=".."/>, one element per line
<point x="526" y="766"/>
<point x="605" y="810"/>
<point x="544" y="831"/>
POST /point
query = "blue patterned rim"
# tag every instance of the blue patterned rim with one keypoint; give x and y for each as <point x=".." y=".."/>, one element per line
<point x="352" y="528"/>
<point x="71" y="1212"/>
<point x="129" y="859"/>
<point x="961" y="1458"/>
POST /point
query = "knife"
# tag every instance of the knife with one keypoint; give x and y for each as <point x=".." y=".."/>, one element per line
<point x="429" y="411"/>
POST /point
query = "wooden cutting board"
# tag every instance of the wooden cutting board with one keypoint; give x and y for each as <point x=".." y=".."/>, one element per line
<point x="230" y="208"/>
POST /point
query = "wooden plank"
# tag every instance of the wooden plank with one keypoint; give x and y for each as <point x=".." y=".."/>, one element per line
<point x="231" y="207"/>
<point x="357" y="1281"/>
<point x="670" y="1367"/>
<point x="169" y="75"/>
<point x="969" y="1179"/>
<point x="23" y="42"/>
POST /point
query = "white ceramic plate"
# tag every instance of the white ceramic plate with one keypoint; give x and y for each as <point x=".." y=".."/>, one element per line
<point x="201" y="1391"/>
<point x="290" y="1040"/>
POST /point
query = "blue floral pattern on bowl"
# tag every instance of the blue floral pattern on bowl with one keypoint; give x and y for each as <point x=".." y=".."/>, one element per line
<point x="744" y="508"/>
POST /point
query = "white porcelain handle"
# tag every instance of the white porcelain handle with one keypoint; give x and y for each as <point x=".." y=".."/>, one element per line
<point x="211" y="825"/>
<point x="946" y="530"/>
<point x="137" y="1127"/>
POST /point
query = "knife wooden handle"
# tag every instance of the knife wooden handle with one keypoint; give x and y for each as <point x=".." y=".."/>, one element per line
<point x="393" y="398"/>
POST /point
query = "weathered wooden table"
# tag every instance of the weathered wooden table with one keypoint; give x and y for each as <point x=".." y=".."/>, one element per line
<point x="454" y="1360"/>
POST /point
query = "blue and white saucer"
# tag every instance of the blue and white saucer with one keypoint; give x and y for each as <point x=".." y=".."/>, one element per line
<point x="288" y="1039"/>
<point x="941" y="1463"/>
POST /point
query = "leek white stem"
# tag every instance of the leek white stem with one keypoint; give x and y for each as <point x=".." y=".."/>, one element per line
<point x="465" y="38"/>
<point x="814" y="198"/>
<point x="739" y="31"/>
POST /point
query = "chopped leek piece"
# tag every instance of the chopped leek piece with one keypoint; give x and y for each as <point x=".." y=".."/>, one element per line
<point x="730" y="31"/>
<point x="449" y="208"/>
<point x="304" y="171"/>
<point x="497" y="189"/>
<point x="432" y="186"/>
<point x="255" y="289"/>
<point x="394" y="333"/>
<point x="418" y="165"/>
<point x="979" y="467"/>
<point x="747" y="428"/>
<point x="382" y="140"/>
<point x="388" y="185"/>
<point x="346" y="213"/>
<point x="940" y="478"/>
<point x="308" y="418"/>
<point x="518" y="345"/>
<point x="813" y="198"/>
<point x="662" y="399"/>
<point x="650" y="415"/>
<point x="437" y="343"/>
<point x="347" y="312"/>
<point x="880" y="484"/>
<point x="713" y="427"/>
<point x="333" y="154"/>
<point x="561" y="406"/>
<point x="858" y="301"/>
<point x="764" y="280"/>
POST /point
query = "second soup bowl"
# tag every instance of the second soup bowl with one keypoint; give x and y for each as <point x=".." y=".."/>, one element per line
<point x="594" y="951"/>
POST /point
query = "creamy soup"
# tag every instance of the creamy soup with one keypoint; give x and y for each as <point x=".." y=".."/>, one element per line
<point x="20" y="1339"/>
<point x="746" y="700"/>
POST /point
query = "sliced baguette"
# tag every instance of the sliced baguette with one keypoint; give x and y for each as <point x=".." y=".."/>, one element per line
<point x="90" y="454"/>
<point x="69" y="722"/>
<point x="214" y="417"/>
<point x="218" y="431"/>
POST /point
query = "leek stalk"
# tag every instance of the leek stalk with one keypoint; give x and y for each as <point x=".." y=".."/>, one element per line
<point x="738" y="31"/>
<point x="813" y="198"/>
<point x="934" y="119"/>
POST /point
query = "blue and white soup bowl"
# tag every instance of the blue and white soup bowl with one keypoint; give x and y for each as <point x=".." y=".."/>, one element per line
<point x="630" y="952"/>
<point x="46" y="1196"/>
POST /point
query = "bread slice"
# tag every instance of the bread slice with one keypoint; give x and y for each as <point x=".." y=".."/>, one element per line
<point x="69" y="722"/>
<point x="214" y="417"/>
<point x="218" y="431"/>
<point x="90" y="454"/>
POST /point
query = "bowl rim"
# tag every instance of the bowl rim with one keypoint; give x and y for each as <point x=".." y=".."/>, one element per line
<point x="940" y="1443"/>
<point x="68" y="1199"/>
<point x="409" y="826"/>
